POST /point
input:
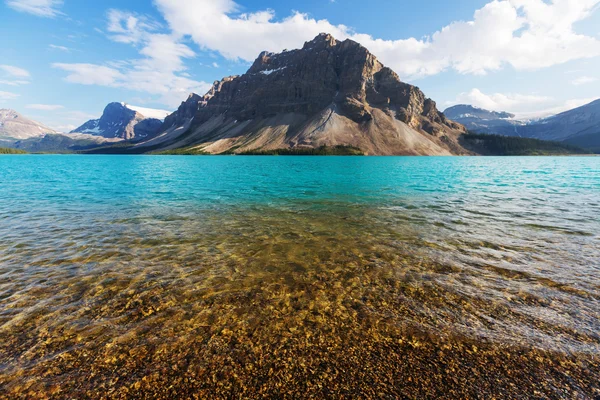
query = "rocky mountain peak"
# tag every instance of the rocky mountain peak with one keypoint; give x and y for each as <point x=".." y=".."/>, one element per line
<point x="324" y="72"/>
<point x="7" y="113"/>
<point x="322" y="41"/>
<point x="120" y="121"/>
<point x="326" y="77"/>
<point x="118" y="110"/>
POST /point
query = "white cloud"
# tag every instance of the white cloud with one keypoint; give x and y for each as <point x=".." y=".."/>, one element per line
<point x="525" y="106"/>
<point x="57" y="47"/>
<point x="524" y="34"/>
<point x="15" y="71"/>
<point x="90" y="74"/>
<point x="7" y="96"/>
<point x="126" y="27"/>
<point x="40" y="8"/>
<point x="582" y="80"/>
<point x="13" y="76"/>
<point x="44" y="107"/>
<point x="13" y="83"/>
<point x="527" y="34"/>
<point x="160" y="71"/>
<point x="500" y="101"/>
<point x="163" y="52"/>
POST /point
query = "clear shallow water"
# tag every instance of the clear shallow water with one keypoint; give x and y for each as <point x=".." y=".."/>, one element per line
<point x="119" y="271"/>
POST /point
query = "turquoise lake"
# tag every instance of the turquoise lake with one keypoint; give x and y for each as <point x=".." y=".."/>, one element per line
<point x="148" y="275"/>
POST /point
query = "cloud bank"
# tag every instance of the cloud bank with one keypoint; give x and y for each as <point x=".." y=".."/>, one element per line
<point x="526" y="34"/>
<point x="160" y="71"/>
<point x="522" y="34"/>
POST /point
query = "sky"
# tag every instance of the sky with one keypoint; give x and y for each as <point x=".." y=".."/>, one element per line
<point x="62" y="61"/>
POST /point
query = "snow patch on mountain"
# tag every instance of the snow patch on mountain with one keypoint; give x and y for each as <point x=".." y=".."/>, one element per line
<point x="149" y="112"/>
<point x="271" y="71"/>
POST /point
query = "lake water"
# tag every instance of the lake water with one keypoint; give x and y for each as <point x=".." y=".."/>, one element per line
<point x="293" y="277"/>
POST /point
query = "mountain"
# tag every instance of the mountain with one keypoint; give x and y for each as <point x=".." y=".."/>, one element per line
<point x="329" y="93"/>
<point x="580" y="122"/>
<point x="484" y="121"/>
<point x="463" y="111"/>
<point x="14" y="126"/>
<point x="580" y="126"/>
<point x="589" y="141"/>
<point x="120" y="120"/>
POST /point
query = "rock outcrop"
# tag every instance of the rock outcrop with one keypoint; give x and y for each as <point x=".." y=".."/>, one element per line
<point x="328" y="93"/>
<point x="120" y="121"/>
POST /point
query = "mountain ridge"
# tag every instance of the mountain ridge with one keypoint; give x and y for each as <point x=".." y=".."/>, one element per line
<point x="579" y="126"/>
<point x="469" y="111"/>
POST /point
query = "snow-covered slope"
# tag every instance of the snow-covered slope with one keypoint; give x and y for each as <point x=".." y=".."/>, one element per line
<point x="149" y="112"/>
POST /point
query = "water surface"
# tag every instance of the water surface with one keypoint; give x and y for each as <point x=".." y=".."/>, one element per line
<point x="229" y="277"/>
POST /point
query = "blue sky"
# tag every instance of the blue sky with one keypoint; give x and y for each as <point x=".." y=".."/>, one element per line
<point x="64" y="60"/>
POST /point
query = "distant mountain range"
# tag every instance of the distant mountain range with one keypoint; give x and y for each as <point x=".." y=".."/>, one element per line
<point x="119" y="122"/>
<point x="580" y="126"/>
<point x="328" y="94"/>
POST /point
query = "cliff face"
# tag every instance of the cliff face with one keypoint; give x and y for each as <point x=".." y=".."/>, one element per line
<point x="327" y="93"/>
<point x="185" y="113"/>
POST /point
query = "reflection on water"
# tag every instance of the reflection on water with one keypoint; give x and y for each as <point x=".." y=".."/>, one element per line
<point x="233" y="277"/>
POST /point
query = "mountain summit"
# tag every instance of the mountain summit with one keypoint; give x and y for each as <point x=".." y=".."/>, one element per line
<point x="119" y="120"/>
<point x="328" y="93"/>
